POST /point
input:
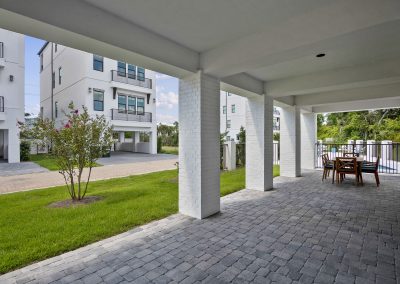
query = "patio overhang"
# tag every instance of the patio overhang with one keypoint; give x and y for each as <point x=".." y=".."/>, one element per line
<point x="265" y="51"/>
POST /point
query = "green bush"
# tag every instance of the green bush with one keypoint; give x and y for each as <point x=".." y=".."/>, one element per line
<point x="159" y="144"/>
<point x="24" y="150"/>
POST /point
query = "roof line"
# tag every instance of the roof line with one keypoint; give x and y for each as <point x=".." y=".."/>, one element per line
<point x="43" y="47"/>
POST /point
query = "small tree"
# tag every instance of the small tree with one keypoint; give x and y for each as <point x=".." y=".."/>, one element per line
<point x="76" y="145"/>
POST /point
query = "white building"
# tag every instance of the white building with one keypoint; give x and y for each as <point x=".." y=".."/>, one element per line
<point x="123" y="93"/>
<point x="233" y="115"/>
<point x="12" y="79"/>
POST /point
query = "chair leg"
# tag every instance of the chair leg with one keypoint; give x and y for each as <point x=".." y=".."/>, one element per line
<point x="377" y="179"/>
<point x="323" y="174"/>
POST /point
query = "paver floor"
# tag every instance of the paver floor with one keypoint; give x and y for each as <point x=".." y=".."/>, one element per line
<point x="304" y="231"/>
<point x="53" y="178"/>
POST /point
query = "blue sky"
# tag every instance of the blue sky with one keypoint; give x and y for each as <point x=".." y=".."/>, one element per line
<point x="166" y="86"/>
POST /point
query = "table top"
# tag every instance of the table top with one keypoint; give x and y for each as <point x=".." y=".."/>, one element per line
<point x="359" y="159"/>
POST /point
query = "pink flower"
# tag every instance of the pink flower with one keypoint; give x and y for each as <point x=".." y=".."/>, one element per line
<point x="67" y="125"/>
<point x="76" y="111"/>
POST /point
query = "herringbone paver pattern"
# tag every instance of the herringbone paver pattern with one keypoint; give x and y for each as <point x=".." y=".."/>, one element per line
<point x="305" y="231"/>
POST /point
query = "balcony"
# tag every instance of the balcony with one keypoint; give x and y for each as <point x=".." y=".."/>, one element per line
<point x="125" y="115"/>
<point x="130" y="79"/>
<point x="2" y="61"/>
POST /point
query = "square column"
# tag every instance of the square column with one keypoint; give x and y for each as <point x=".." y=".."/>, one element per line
<point x="13" y="145"/>
<point x="199" y="150"/>
<point x="290" y="156"/>
<point x="259" y="143"/>
<point x="308" y="127"/>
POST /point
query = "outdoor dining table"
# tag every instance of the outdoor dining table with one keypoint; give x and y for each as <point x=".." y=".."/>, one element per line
<point x="359" y="160"/>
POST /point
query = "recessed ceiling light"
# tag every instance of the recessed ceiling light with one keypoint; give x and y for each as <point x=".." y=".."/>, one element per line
<point x="320" y="55"/>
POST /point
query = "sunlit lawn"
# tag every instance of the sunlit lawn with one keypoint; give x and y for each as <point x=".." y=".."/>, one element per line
<point x="32" y="231"/>
<point x="47" y="161"/>
<point x="170" y="150"/>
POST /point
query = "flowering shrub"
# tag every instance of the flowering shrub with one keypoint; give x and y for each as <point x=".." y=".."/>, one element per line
<point x="77" y="144"/>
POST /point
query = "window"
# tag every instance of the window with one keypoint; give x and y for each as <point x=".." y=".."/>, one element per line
<point x="121" y="103"/>
<point x="140" y="105"/>
<point x="53" y="80"/>
<point x="59" y="75"/>
<point x="41" y="62"/>
<point x="56" y="109"/>
<point x="98" y="100"/>
<point x="55" y="47"/>
<point x="121" y="69"/>
<point x="228" y="138"/>
<point x="131" y="71"/>
<point x="228" y="124"/>
<point x="224" y="109"/>
<point x="131" y="104"/>
<point x="233" y="108"/>
<point x="140" y="74"/>
<point x="41" y="112"/>
<point x="98" y="63"/>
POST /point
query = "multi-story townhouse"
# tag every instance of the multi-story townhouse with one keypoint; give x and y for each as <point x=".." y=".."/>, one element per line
<point x="123" y="92"/>
<point x="233" y="115"/>
<point x="12" y="81"/>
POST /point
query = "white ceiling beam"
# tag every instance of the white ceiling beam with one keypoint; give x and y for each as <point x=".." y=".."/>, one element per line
<point x="340" y="96"/>
<point x="82" y="26"/>
<point x="358" y="105"/>
<point x="242" y="85"/>
<point x="377" y="73"/>
<point x="297" y="37"/>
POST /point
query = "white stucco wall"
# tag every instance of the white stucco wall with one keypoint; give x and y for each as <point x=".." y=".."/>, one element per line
<point x="13" y="64"/>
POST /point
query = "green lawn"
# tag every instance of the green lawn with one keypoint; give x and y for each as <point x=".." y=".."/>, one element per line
<point x="31" y="231"/>
<point x="47" y="161"/>
<point x="170" y="150"/>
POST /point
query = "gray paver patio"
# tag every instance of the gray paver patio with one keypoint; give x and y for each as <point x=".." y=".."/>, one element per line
<point x="305" y="231"/>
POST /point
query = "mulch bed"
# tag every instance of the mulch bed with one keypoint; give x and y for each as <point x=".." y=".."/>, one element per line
<point x="74" y="203"/>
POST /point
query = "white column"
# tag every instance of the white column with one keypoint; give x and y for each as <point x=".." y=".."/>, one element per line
<point x="231" y="156"/>
<point x="259" y="147"/>
<point x="290" y="142"/>
<point x="199" y="149"/>
<point x="308" y="129"/>
<point x="13" y="146"/>
<point x="121" y="136"/>
<point x="153" y="141"/>
<point x="386" y="153"/>
<point x="137" y="137"/>
<point x="371" y="150"/>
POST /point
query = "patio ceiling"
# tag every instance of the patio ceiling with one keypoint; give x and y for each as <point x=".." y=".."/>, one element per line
<point x="260" y="46"/>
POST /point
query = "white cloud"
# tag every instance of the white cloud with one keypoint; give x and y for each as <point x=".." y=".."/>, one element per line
<point x="166" y="118"/>
<point x="32" y="108"/>
<point x="160" y="76"/>
<point x="167" y="100"/>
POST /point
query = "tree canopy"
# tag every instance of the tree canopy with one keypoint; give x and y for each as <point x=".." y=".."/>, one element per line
<point x="383" y="124"/>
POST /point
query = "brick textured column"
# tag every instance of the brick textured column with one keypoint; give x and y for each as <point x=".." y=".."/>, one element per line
<point x="199" y="152"/>
<point x="308" y="127"/>
<point x="290" y="144"/>
<point x="259" y="146"/>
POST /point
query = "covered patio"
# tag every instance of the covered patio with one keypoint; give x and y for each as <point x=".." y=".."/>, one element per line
<point x="307" y="57"/>
<point x="301" y="231"/>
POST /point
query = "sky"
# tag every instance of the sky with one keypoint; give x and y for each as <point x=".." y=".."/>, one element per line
<point x="166" y="86"/>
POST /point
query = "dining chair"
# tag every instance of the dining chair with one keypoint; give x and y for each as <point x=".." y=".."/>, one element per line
<point x="328" y="166"/>
<point x="372" y="168"/>
<point x="346" y="166"/>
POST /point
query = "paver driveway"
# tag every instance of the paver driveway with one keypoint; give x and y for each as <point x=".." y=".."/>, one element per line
<point x="304" y="231"/>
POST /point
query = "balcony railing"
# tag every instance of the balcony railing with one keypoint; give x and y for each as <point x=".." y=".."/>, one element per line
<point x="1" y="50"/>
<point x="117" y="114"/>
<point x="130" y="79"/>
<point x="1" y="104"/>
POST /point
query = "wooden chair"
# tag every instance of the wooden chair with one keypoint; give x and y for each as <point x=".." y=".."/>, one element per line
<point x="328" y="166"/>
<point x="372" y="168"/>
<point x="346" y="166"/>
